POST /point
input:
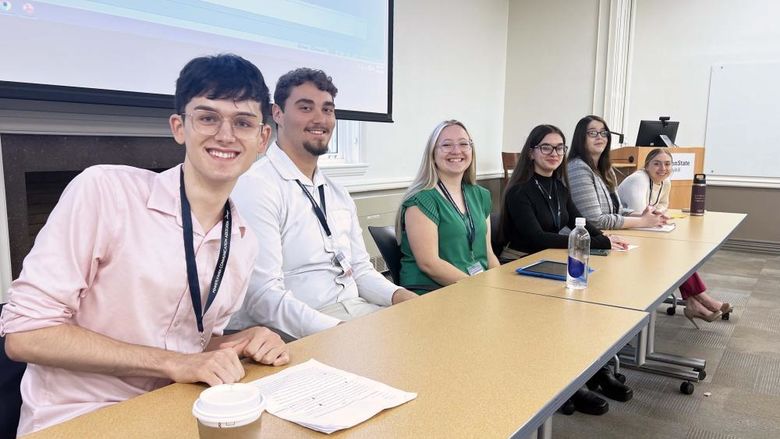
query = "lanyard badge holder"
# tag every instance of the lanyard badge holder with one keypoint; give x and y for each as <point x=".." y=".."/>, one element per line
<point x="192" y="267"/>
<point x="339" y="259"/>
<point x="468" y="222"/>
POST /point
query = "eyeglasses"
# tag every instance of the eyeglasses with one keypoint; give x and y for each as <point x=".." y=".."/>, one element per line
<point x="208" y="123"/>
<point x="658" y="163"/>
<point x="593" y="133"/>
<point x="548" y="149"/>
<point x="463" y="146"/>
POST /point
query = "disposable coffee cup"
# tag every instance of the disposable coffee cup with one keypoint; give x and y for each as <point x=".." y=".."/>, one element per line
<point x="229" y="411"/>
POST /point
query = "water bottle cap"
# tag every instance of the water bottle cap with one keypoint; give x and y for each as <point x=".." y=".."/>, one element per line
<point x="579" y="222"/>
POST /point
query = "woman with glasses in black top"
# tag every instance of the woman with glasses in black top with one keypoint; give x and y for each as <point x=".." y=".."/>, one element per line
<point x="537" y="205"/>
<point x="537" y="213"/>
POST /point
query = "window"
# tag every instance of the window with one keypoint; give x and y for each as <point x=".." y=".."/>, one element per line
<point x="344" y="158"/>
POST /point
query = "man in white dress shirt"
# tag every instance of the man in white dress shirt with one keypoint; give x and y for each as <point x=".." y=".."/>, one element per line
<point x="313" y="271"/>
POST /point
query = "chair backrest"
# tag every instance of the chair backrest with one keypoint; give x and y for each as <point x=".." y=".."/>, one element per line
<point x="495" y="240"/>
<point x="509" y="160"/>
<point x="384" y="237"/>
<point x="10" y="398"/>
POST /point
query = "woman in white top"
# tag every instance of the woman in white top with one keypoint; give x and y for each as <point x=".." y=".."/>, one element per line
<point x="650" y="188"/>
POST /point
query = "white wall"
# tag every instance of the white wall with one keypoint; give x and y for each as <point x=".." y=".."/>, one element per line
<point x="675" y="44"/>
<point x="551" y="66"/>
<point x="450" y="61"/>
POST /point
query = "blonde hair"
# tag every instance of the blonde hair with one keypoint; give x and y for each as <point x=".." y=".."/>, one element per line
<point x="655" y="153"/>
<point x="427" y="176"/>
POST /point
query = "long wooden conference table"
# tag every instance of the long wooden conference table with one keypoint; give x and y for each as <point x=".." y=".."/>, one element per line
<point x="639" y="279"/>
<point x="484" y="362"/>
<point x="491" y="356"/>
<point x="712" y="227"/>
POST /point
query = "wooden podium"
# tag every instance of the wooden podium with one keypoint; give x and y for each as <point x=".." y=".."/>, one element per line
<point x="628" y="159"/>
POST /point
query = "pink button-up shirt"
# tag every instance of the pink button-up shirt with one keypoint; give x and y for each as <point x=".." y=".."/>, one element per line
<point x="111" y="259"/>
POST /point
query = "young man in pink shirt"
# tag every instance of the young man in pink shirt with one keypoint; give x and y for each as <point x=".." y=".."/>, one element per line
<point x="135" y="275"/>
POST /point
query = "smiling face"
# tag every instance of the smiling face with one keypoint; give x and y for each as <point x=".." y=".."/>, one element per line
<point x="219" y="158"/>
<point x="453" y="151"/>
<point x="659" y="168"/>
<point x="595" y="145"/>
<point x="307" y="121"/>
<point x="547" y="164"/>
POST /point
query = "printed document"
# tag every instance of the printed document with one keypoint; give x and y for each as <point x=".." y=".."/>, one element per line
<point x="326" y="399"/>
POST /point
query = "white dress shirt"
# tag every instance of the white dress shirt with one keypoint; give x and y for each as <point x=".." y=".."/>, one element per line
<point x="295" y="273"/>
<point x="638" y="190"/>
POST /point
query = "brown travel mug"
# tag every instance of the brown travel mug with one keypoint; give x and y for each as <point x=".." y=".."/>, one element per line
<point x="697" y="194"/>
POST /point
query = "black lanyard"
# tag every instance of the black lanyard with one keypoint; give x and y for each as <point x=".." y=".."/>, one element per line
<point x="189" y="255"/>
<point x="548" y="201"/>
<point x="650" y="194"/>
<point x="468" y="222"/>
<point x="320" y="212"/>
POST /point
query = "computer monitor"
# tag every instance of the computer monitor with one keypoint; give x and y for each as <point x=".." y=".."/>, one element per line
<point x="661" y="132"/>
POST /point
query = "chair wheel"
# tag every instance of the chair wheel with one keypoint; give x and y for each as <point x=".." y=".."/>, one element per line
<point x="670" y="311"/>
<point x="702" y="375"/>
<point x="726" y="316"/>
<point x="620" y="377"/>
<point x="687" y="387"/>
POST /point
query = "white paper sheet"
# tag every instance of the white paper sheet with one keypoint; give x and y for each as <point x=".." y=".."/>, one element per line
<point x="664" y="228"/>
<point x="327" y="399"/>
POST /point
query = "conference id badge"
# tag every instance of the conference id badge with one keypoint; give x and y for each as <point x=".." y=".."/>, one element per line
<point x="475" y="268"/>
<point x="341" y="260"/>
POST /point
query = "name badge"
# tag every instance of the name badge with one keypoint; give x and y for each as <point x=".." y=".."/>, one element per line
<point x="341" y="260"/>
<point x="475" y="268"/>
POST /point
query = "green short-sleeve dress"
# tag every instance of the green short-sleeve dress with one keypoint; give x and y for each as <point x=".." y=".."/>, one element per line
<point x="453" y="235"/>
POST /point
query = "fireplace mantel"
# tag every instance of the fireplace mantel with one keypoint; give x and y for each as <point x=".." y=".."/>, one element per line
<point x="26" y="154"/>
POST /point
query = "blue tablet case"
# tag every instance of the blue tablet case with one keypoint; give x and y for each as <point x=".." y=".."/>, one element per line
<point x="526" y="272"/>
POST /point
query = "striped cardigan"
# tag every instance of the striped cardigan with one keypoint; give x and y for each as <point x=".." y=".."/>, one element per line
<point x="592" y="197"/>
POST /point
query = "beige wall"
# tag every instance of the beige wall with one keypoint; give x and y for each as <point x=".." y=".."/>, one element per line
<point x="550" y="67"/>
<point x="449" y="63"/>
<point x="762" y="206"/>
<point x="675" y="45"/>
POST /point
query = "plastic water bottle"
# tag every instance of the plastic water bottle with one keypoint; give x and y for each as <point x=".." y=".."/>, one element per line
<point x="579" y="251"/>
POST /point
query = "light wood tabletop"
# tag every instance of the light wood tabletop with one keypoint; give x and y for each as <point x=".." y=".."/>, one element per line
<point x="711" y="227"/>
<point x="485" y="362"/>
<point x="637" y="279"/>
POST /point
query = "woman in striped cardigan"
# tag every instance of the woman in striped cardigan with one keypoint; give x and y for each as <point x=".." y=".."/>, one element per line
<point x="593" y="188"/>
<point x="592" y="180"/>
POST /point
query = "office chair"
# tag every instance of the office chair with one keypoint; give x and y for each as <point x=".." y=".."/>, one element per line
<point x="10" y="398"/>
<point x="509" y="161"/>
<point x="384" y="237"/>
<point x="495" y="241"/>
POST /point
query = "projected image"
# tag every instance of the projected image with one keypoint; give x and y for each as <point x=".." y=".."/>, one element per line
<point x="140" y="45"/>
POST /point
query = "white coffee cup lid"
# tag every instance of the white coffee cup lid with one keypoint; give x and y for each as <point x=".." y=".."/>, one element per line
<point x="229" y="405"/>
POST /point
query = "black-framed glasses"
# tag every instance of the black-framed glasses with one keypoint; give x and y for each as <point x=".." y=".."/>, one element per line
<point x="208" y="123"/>
<point x="594" y="133"/>
<point x="450" y="146"/>
<point x="548" y="149"/>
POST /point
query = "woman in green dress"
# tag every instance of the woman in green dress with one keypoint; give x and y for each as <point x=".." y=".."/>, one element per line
<point x="443" y="223"/>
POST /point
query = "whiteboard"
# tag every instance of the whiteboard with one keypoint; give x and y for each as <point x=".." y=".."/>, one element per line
<point x="743" y="118"/>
